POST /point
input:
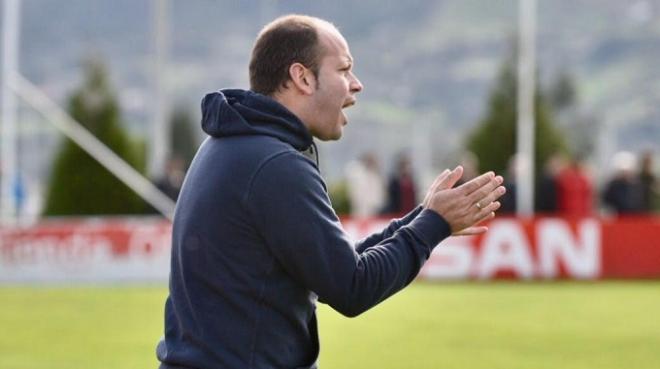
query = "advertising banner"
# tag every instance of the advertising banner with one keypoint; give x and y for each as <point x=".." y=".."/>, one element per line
<point x="138" y="250"/>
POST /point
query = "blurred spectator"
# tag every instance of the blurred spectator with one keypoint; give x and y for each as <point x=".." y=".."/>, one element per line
<point x="508" y="201"/>
<point x="366" y="187"/>
<point x="623" y="193"/>
<point x="401" y="193"/>
<point x="648" y="181"/>
<point x="546" y="191"/>
<point x="19" y="193"/>
<point x="574" y="190"/>
<point x="170" y="184"/>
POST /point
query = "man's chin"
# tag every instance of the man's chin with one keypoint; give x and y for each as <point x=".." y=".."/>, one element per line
<point x="331" y="138"/>
<point x="340" y="132"/>
<point x="334" y="136"/>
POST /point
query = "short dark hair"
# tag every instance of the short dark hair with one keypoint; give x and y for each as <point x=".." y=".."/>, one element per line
<point x="287" y="40"/>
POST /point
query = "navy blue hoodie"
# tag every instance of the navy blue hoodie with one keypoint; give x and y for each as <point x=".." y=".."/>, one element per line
<point x="255" y="241"/>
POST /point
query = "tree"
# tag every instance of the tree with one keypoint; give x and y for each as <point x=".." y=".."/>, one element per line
<point x="563" y="94"/>
<point x="578" y="125"/>
<point x="338" y="193"/>
<point x="79" y="185"/>
<point x="494" y="139"/>
<point x="182" y="138"/>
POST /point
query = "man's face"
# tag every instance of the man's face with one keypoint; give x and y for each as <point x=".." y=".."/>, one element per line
<point x="335" y="88"/>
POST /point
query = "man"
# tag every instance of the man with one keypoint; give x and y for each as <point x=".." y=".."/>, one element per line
<point x="647" y="181"/>
<point x="401" y="193"/>
<point x="623" y="194"/>
<point x="365" y="186"/>
<point x="255" y="240"/>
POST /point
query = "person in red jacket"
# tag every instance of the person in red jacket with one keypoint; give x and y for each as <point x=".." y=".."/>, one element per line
<point x="574" y="190"/>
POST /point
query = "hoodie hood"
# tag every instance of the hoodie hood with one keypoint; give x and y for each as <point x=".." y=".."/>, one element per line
<point x="233" y="112"/>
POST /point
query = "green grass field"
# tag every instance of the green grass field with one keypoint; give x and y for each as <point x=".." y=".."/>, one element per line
<point x="455" y="325"/>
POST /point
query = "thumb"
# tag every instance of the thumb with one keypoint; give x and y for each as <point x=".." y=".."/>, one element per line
<point x="438" y="180"/>
<point x="471" y="231"/>
<point x="450" y="180"/>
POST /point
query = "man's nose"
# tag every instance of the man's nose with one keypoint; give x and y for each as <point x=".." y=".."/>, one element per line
<point x="356" y="85"/>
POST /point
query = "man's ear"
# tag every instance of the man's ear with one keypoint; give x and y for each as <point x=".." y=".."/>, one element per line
<point x="302" y="78"/>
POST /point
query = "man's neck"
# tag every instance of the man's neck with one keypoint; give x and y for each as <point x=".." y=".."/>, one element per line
<point x="292" y="103"/>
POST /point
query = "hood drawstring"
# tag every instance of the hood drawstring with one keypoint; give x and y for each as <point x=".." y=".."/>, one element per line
<point x="312" y="153"/>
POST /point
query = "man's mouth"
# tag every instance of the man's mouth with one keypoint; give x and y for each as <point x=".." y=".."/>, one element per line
<point x="344" y="118"/>
<point x="348" y="103"/>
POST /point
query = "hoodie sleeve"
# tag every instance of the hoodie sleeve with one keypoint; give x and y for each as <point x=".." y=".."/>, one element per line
<point x="292" y="212"/>
<point x="394" y="225"/>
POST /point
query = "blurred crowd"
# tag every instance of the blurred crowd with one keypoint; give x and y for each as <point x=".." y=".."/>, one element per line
<point x="565" y="186"/>
<point x="172" y="180"/>
<point x="369" y="194"/>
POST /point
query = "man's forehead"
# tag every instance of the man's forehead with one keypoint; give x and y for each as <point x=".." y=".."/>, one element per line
<point x="335" y="44"/>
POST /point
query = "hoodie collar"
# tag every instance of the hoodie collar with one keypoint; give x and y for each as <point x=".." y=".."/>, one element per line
<point x="234" y="112"/>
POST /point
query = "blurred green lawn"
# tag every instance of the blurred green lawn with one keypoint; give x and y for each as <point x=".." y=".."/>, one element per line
<point x="447" y="325"/>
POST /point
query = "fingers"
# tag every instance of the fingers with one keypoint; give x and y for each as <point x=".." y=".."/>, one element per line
<point x="466" y="205"/>
<point x="482" y="215"/>
<point x="472" y="231"/>
<point x="493" y="195"/>
<point x="475" y="184"/>
<point x="452" y="177"/>
<point x="487" y="212"/>
<point x="439" y="179"/>
<point x="435" y="186"/>
<point x="490" y="192"/>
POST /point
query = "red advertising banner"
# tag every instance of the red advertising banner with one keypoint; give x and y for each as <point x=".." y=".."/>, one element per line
<point x="91" y="250"/>
<point x="99" y="250"/>
<point x="548" y="248"/>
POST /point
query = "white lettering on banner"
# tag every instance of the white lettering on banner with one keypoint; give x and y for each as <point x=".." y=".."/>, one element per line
<point x="135" y="251"/>
<point x="451" y="260"/>
<point x="360" y="228"/>
<point x="505" y="247"/>
<point x="556" y="243"/>
<point x="140" y="250"/>
<point x="75" y="249"/>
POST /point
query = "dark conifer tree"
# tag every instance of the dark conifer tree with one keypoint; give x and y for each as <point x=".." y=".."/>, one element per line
<point x="79" y="185"/>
